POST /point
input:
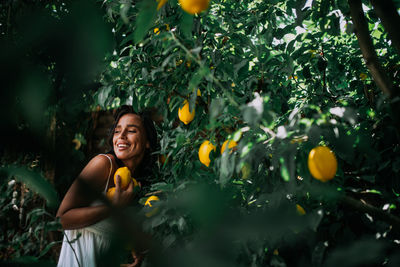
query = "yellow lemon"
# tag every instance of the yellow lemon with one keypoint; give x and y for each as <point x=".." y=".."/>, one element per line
<point x="148" y="203"/>
<point x="161" y="3"/>
<point x="300" y="209"/>
<point x="363" y="76"/>
<point x="77" y="143"/>
<point x="179" y="62"/>
<point x="184" y="113"/>
<point x="194" y="6"/>
<point x="157" y="31"/>
<point x="229" y="143"/>
<point x="322" y="163"/>
<point x="110" y="193"/>
<point x="204" y="152"/>
<point x="198" y="92"/>
<point x="150" y="199"/>
<point x="125" y="175"/>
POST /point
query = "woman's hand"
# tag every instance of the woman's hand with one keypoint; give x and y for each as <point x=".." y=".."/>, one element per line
<point x="122" y="197"/>
<point x="137" y="260"/>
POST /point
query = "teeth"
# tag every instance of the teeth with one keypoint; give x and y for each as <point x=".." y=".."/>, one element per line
<point x="122" y="145"/>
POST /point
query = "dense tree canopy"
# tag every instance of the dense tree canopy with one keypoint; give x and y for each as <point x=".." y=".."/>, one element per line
<point x="277" y="77"/>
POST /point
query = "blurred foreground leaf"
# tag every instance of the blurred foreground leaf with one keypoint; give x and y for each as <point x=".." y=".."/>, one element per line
<point x="145" y="19"/>
<point x="36" y="182"/>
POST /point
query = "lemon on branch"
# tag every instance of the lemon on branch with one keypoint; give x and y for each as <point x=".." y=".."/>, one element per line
<point x="184" y="113"/>
<point x="194" y="6"/>
<point x="161" y="3"/>
<point x="149" y="200"/>
<point x="204" y="152"/>
<point x="322" y="163"/>
<point x="229" y="143"/>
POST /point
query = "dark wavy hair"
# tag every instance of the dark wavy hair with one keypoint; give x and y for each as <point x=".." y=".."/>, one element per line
<point x="146" y="167"/>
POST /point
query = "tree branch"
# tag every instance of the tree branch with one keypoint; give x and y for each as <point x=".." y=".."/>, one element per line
<point x="368" y="50"/>
<point x="387" y="12"/>
<point x="371" y="210"/>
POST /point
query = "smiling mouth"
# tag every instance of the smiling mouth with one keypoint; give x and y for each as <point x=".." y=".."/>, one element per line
<point x="122" y="146"/>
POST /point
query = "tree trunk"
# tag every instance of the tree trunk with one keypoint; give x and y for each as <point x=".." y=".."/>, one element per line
<point x="367" y="48"/>
<point x="371" y="59"/>
<point x="387" y="12"/>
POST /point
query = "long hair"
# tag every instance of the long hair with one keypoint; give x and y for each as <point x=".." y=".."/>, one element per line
<point x="147" y="164"/>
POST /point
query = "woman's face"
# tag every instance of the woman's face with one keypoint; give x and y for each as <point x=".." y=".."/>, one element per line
<point x="129" y="139"/>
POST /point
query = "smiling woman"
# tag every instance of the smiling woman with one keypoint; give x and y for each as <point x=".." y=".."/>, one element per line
<point x="84" y="213"/>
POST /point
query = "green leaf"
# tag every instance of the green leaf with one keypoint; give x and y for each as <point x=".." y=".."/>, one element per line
<point x="145" y="19"/>
<point x="186" y="24"/>
<point x="103" y="96"/>
<point x="48" y="247"/>
<point x="161" y="186"/>
<point x="284" y="170"/>
<point x="36" y="182"/>
<point x="197" y="77"/>
<point x="227" y="168"/>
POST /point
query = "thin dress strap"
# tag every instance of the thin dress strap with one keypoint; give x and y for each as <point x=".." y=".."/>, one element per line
<point x="109" y="175"/>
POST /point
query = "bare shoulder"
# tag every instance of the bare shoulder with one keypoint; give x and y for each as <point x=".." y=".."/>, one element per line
<point x="97" y="170"/>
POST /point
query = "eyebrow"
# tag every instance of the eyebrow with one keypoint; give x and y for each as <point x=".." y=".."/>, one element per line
<point x="129" y="125"/>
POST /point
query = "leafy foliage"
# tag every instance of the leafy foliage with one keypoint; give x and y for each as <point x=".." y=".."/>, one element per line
<point x="279" y="78"/>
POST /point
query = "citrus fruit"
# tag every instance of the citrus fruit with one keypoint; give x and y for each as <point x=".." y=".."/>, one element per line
<point x="229" y="143"/>
<point x="198" y="92"/>
<point x="161" y="3"/>
<point x="194" y="6"/>
<point x="77" y="143"/>
<point x="184" y="113"/>
<point x="204" y="152"/>
<point x="110" y="193"/>
<point x="322" y="163"/>
<point x="300" y="209"/>
<point x="148" y="202"/>
<point x="126" y="177"/>
<point x="150" y="199"/>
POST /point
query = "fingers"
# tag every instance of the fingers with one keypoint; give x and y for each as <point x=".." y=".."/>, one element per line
<point x="130" y="186"/>
<point x="118" y="183"/>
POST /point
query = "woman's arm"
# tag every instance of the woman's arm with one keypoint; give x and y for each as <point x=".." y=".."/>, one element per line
<point x="82" y="217"/>
<point x="75" y="210"/>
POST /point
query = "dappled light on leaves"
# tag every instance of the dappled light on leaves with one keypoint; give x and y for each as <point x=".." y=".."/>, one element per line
<point x="278" y="127"/>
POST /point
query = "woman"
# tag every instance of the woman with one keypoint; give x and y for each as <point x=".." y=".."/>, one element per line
<point x="84" y="213"/>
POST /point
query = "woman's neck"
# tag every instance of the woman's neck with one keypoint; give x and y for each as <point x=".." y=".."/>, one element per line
<point x="133" y="163"/>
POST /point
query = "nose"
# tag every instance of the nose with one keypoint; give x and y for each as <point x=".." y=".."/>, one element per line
<point x="122" y="134"/>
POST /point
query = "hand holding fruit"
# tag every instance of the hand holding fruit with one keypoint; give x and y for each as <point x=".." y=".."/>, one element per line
<point x="121" y="197"/>
<point x="123" y="192"/>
